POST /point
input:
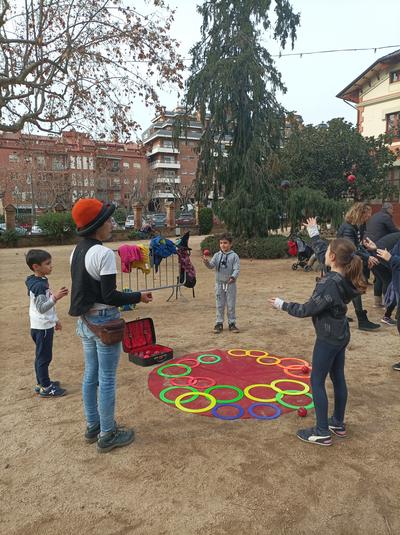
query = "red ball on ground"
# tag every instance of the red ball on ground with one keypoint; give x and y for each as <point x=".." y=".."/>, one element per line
<point x="206" y="252"/>
<point x="305" y="369"/>
<point x="351" y="178"/>
<point x="301" y="411"/>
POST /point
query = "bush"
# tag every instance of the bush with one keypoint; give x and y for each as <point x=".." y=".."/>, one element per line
<point x="135" y="235"/>
<point x="259" y="248"/>
<point x="9" y="237"/>
<point x="205" y="221"/>
<point x="120" y="216"/>
<point x="57" y="225"/>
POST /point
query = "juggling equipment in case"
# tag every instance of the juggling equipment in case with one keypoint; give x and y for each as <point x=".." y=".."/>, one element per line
<point x="140" y="343"/>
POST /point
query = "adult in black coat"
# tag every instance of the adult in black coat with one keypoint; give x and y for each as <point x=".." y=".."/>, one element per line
<point x="351" y="229"/>
<point x="381" y="223"/>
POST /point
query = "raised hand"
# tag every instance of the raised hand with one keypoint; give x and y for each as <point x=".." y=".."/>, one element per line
<point x="369" y="244"/>
<point x="62" y="292"/>
<point x="384" y="254"/>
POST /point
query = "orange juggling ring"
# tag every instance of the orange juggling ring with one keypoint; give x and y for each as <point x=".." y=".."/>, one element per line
<point x="296" y="367"/>
<point x="260" y="360"/>
<point x="303" y="362"/>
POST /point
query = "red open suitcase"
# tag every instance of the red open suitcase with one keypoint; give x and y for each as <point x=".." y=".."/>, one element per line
<point x="140" y="343"/>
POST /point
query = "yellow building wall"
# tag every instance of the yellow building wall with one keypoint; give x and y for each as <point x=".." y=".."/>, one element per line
<point x="378" y="98"/>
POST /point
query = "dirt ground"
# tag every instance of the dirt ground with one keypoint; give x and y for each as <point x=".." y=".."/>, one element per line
<point x="187" y="475"/>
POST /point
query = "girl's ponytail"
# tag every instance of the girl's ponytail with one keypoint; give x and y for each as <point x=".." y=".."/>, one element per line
<point x="350" y="262"/>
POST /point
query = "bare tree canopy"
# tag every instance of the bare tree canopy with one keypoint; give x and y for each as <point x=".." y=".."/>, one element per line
<point x="66" y="63"/>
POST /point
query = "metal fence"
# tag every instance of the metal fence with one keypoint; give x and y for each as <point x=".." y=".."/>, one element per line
<point x="166" y="277"/>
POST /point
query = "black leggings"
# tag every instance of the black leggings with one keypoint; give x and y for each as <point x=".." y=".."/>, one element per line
<point x="328" y="358"/>
<point x="383" y="277"/>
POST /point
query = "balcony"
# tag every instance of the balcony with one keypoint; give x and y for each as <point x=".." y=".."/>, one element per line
<point x="168" y="180"/>
<point x="162" y="194"/>
<point x="160" y="164"/>
<point x="163" y="150"/>
<point x="162" y="132"/>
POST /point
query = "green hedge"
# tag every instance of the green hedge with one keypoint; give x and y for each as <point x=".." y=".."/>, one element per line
<point x="268" y="247"/>
<point x="9" y="237"/>
<point x="57" y="225"/>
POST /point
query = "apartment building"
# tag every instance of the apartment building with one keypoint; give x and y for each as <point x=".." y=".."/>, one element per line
<point x="38" y="172"/>
<point x="172" y="159"/>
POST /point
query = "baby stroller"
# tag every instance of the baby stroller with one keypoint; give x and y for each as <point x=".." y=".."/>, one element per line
<point x="298" y="247"/>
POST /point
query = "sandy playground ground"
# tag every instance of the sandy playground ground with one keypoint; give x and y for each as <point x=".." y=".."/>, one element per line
<point x="185" y="474"/>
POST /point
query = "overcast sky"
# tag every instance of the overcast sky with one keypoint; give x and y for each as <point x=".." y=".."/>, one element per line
<point x="312" y="81"/>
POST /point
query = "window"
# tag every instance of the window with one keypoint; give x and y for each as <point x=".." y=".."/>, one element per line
<point x="167" y="144"/>
<point x="40" y="160"/>
<point x="114" y="165"/>
<point x="393" y="125"/>
<point x="126" y="165"/>
<point x="394" y="77"/>
<point x="13" y="157"/>
<point x="137" y="165"/>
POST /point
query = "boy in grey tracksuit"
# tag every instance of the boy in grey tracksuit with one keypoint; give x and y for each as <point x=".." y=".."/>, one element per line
<point x="227" y="267"/>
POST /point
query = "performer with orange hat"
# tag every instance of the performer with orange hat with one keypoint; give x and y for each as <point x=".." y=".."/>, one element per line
<point x="95" y="300"/>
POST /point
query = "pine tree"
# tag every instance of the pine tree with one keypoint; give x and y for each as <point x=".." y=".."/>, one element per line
<point x="233" y="85"/>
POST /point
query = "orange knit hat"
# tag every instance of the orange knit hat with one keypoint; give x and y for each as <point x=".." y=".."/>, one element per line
<point x="90" y="214"/>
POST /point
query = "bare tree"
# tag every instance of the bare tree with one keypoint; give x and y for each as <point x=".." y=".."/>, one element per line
<point x="183" y="193"/>
<point x="74" y="62"/>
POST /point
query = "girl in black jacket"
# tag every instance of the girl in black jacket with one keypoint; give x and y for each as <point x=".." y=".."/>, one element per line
<point x="352" y="230"/>
<point x="327" y="307"/>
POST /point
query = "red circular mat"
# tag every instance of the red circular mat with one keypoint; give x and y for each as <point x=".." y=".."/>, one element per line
<point x="235" y="371"/>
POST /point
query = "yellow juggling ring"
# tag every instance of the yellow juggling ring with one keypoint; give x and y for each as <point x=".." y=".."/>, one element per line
<point x="290" y="392"/>
<point x="179" y="405"/>
<point x="254" y="398"/>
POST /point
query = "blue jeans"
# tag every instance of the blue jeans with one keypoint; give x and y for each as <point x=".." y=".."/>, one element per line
<point x="99" y="379"/>
<point x="328" y="358"/>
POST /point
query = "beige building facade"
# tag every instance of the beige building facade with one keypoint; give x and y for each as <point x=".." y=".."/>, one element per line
<point x="375" y="94"/>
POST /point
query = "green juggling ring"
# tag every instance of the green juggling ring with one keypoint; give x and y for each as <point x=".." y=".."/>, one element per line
<point x="200" y="358"/>
<point x="222" y="401"/>
<point x="280" y="395"/>
<point x="188" y="369"/>
<point x="172" y="401"/>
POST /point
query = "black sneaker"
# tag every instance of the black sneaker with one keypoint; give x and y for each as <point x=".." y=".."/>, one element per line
<point x="312" y="436"/>
<point x="91" y="433"/>
<point x="115" y="439"/>
<point x="38" y="387"/>
<point x="233" y="328"/>
<point x="396" y="367"/>
<point x="52" y="391"/>
<point x="338" y="430"/>
<point x="388" y="321"/>
<point x="218" y="328"/>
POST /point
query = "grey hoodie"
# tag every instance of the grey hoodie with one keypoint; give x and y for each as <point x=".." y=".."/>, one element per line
<point x="226" y="265"/>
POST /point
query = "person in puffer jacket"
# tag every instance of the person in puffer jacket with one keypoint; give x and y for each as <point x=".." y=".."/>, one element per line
<point x="351" y="230"/>
<point x="327" y="307"/>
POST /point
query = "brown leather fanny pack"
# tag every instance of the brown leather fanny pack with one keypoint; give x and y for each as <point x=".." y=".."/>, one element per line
<point x="111" y="332"/>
